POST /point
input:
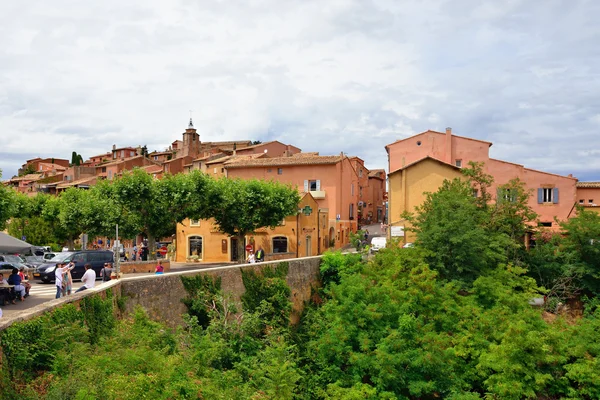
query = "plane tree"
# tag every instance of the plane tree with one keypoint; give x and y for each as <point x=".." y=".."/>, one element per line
<point x="240" y="207"/>
<point x="154" y="207"/>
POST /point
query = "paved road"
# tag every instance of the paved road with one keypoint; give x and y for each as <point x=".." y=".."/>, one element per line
<point x="42" y="292"/>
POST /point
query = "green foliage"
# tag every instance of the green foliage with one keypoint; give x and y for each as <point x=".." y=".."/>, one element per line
<point x="334" y="265"/>
<point x="268" y="294"/>
<point x="242" y="206"/>
<point x="6" y="204"/>
<point x="99" y="316"/>
<point x="202" y="299"/>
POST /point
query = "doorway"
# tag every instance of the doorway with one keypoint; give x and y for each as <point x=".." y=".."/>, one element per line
<point x="234" y="249"/>
<point x="308" y="247"/>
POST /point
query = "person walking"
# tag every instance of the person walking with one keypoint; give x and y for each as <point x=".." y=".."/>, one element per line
<point x="134" y="252"/>
<point x="88" y="279"/>
<point x="251" y="259"/>
<point x="260" y="254"/>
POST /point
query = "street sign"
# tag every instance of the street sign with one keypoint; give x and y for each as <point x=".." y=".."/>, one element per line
<point x="397" y="230"/>
<point x="163" y="250"/>
<point x="248" y="247"/>
<point x="23" y="238"/>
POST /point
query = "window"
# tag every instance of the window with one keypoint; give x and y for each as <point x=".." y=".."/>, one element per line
<point x="351" y="211"/>
<point x="155" y="158"/>
<point x="215" y="170"/>
<point x="279" y="171"/>
<point x="103" y="169"/>
<point x="280" y="244"/>
<point x="222" y="170"/>
<point x="312" y="185"/>
<point x="581" y="201"/>
<point x="122" y="153"/>
<point x="419" y="143"/>
<point x="352" y="189"/>
<point x="360" y="173"/>
<point x="109" y="174"/>
<point x="546" y="224"/>
<point x="475" y="192"/>
<point x="268" y="170"/>
<point x="194" y="222"/>
<point x="195" y="246"/>
<point x="459" y="163"/>
<point x="548" y="195"/>
<point x="591" y="201"/>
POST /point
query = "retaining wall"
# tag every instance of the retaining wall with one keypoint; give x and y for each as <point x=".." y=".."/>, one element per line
<point x="161" y="295"/>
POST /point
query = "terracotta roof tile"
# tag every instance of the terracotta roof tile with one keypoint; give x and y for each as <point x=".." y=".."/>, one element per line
<point x="283" y="161"/>
<point x="589" y="185"/>
<point x="28" y="177"/>
<point x="377" y="173"/>
<point x="66" y="184"/>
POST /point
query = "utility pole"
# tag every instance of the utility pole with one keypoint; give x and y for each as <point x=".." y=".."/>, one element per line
<point x="117" y="251"/>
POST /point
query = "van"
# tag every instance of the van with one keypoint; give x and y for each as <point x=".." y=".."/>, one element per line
<point x="96" y="258"/>
<point x="378" y="243"/>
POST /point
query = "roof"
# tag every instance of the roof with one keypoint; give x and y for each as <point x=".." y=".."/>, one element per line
<point x="283" y="161"/>
<point x="376" y="173"/>
<point x="152" y="169"/>
<point x="236" y="158"/>
<point x="307" y="154"/>
<point x="588" y="185"/>
<point x="441" y="133"/>
<point x="423" y="159"/>
<point x="66" y="184"/>
<point x="28" y="177"/>
<point x="53" y="166"/>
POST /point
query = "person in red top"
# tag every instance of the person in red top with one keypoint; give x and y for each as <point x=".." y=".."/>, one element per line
<point x="23" y="279"/>
<point x="159" y="268"/>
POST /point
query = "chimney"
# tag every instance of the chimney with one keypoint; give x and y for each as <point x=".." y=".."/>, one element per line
<point x="448" y="146"/>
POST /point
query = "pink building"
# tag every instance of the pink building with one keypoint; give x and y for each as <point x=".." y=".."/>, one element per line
<point x="551" y="195"/>
<point x="331" y="180"/>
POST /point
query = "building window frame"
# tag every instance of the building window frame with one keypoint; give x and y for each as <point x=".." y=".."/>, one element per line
<point x="195" y="246"/>
<point x="194" y="222"/>
<point x="279" y="171"/>
<point x="280" y="244"/>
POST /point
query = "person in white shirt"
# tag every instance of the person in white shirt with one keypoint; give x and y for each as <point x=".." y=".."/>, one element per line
<point x="88" y="279"/>
<point x="59" y="271"/>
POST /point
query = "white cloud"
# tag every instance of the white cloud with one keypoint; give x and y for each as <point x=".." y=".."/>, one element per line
<point x="341" y="75"/>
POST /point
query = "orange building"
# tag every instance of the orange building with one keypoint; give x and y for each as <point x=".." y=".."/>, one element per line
<point x="588" y="195"/>
<point x="553" y="196"/>
<point x="331" y="180"/>
<point x="298" y="236"/>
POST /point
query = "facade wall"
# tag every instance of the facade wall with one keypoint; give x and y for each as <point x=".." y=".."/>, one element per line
<point x="303" y="234"/>
<point x="442" y="146"/>
<point x="588" y="197"/>
<point x="408" y="188"/>
<point x="335" y="180"/>
<point x="274" y="149"/>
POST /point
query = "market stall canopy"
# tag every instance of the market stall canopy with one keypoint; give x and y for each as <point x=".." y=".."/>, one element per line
<point x="9" y="244"/>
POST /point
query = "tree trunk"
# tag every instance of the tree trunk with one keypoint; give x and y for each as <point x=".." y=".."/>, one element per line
<point x="71" y="244"/>
<point x="151" y="247"/>
<point x="241" y="249"/>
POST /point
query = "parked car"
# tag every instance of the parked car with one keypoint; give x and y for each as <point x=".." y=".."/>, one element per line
<point x="15" y="261"/>
<point x="378" y="243"/>
<point x="49" y="256"/>
<point x="96" y="258"/>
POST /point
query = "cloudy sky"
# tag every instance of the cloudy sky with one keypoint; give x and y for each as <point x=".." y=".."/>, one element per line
<point x="324" y="75"/>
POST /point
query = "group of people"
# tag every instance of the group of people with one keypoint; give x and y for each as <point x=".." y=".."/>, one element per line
<point x="258" y="257"/>
<point x="64" y="280"/>
<point x="18" y="279"/>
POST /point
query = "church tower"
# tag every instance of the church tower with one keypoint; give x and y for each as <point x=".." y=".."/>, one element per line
<point x="191" y="141"/>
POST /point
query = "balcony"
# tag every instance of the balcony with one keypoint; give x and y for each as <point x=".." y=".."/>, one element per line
<point x="318" y="194"/>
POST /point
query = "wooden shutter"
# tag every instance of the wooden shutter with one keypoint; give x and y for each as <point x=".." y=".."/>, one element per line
<point x="555" y="195"/>
<point x="318" y="185"/>
<point x="540" y="195"/>
<point x="306" y="186"/>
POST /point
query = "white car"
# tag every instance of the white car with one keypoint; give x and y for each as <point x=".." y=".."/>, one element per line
<point x="407" y="245"/>
<point x="378" y="243"/>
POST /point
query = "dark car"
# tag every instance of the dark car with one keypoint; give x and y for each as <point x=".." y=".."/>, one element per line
<point x="96" y="258"/>
<point x="15" y="261"/>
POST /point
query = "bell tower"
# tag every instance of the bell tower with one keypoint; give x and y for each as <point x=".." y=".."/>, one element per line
<point x="191" y="141"/>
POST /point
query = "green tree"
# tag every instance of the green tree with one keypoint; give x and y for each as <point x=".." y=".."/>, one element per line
<point x="451" y="229"/>
<point x="240" y="207"/>
<point x="7" y="204"/>
<point x="154" y="207"/>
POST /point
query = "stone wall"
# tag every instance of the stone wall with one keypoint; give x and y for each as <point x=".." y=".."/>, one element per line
<point x="161" y="295"/>
<point x="132" y="267"/>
